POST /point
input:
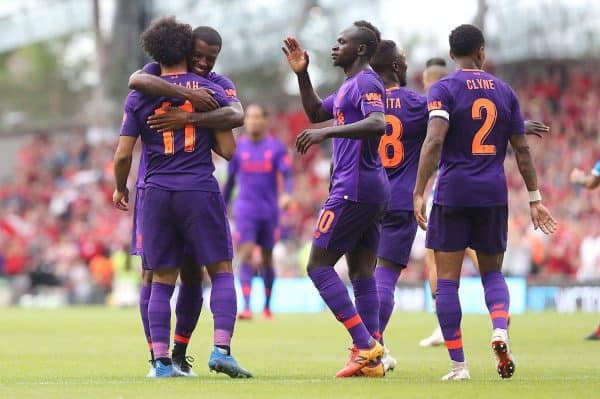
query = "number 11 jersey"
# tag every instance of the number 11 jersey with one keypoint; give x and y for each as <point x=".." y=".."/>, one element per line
<point x="399" y="149"/>
<point x="482" y="112"/>
<point x="179" y="160"/>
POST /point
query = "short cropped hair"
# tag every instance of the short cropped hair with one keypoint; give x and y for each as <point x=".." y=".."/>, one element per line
<point x="466" y="40"/>
<point x="369" y="35"/>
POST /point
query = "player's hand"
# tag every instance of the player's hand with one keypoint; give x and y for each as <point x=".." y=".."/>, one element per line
<point x="284" y="200"/>
<point x="121" y="199"/>
<point x="420" y="213"/>
<point x="536" y="128"/>
<point x="297" y="57"/>
<point x="308" y="138"/>
<point x="541" y="218"/>
<point x="203" y="100"/>
<point x="173" y="118"/>
<point x="577" y="176"/>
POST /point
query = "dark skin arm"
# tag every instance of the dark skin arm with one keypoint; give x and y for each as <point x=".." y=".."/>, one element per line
<point x="211" y="116"/>
<point x="540" y="216"/>
<point x="298" y="59"/>
<point x="373" y="125"/>
<point x="122" y="166"/>
<point x="225" y="144"/>
<point x="536" y="128"/>
<point x="225" y="118"/>
<point x="155" y="86"/>
<point x="437" y="128"/>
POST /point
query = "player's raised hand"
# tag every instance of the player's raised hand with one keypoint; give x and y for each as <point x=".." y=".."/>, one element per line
<point x="419" y="210"/>
<point x="297" y="57"/>
<point x="121" y="199"/>
<point x="541" y="218"/>
<point x="308" y="138"/>
<point x="173" y="118"/>
<point x="536" y="128"/>
<point x="577" y="176"/>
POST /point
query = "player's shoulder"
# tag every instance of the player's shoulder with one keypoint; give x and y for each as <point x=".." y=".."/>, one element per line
<point x="134" y="100"/>
<point x="411" y="97"/>
<point x="369" y="77"/>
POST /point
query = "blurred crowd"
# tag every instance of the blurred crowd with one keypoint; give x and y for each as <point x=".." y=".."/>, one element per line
<point x="59" y="230"/>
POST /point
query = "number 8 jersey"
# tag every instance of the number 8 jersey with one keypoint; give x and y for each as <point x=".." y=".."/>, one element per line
<point x="482" y="112"/>
<point x="400" y="147"/>
<point x="179" y="160"/>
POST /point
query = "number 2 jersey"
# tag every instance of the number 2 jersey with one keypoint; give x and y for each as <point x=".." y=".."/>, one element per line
<point x="406" y="127"/>
<point x="177" y="160"/>
<point x="482" y="112"/>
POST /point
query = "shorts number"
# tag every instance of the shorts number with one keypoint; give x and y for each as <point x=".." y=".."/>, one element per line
<point x="325" y="221"/>
<point x="169" y="136"/>
<point x="392" y="140"/>
<point x="491" y="113"/>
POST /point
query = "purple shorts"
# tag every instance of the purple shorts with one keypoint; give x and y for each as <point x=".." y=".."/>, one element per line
<point x="177" y="222"/>
<point x="453" y="228"/>
<point x="346" y="225"/>
<point x="398" y="230"/>
<point x="136" y="231"/>
<point x="260" y="231"/>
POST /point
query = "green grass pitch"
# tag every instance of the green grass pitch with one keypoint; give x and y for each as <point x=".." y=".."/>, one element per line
<point x="100" y="353"/>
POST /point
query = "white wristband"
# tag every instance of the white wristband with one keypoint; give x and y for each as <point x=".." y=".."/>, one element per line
<point x="535" y="196"/>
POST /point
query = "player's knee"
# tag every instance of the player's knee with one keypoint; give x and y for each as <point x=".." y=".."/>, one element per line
<point x="219" y="267"/>
<point x="165" y="276"/>
<point x="147" y="277"/>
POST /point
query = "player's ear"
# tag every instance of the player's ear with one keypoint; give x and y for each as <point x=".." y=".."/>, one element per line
<point x="396" y="67"/>
<point x="452" y="55"/>
<point x="361" y="50"/>
<point x="481" y="54"/>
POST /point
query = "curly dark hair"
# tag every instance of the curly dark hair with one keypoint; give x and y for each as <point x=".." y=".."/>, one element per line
<point x="167" y="41"/>
<point x="369" y="35"/>
<point x="384" y="56"/>
<point x="465" y="40"/>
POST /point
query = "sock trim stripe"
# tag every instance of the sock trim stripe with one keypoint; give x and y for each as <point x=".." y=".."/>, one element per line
<point x="454" y="344"/>
<point x="352" y="322"/>
<point x="246" y="290"/>
<point x="499" y="314"/>
<point x="180" y="339"/>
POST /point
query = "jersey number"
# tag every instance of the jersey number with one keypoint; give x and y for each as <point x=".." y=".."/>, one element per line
<point x="477" y="147"/>
<point x="392" y="140"/>
<point x="169" y="135"/>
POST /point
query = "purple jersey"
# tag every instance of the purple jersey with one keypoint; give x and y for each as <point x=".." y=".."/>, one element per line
<point x="406" y="117"/>
<point x="257" y="166"/>
<point x="483" y="112"/>
<point x="175" y="160"/>
<point x="357" y="171"/>
<point x="224" y="82"/>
